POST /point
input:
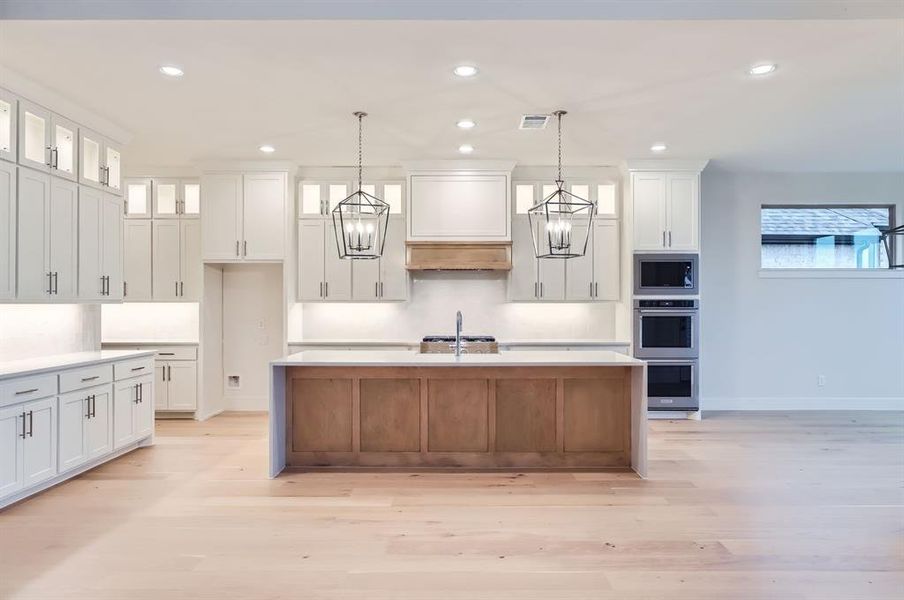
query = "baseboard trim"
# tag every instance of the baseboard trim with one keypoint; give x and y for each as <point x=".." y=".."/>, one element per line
<point x="817" y="403"/>
<point x="246" y="403"/>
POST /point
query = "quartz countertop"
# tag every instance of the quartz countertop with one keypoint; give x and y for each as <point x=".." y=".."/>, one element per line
<point x="526" y="342"/>
<point x="149" y="343"/>
<point x="512" y="358"/>
<point x="57" y="362"/>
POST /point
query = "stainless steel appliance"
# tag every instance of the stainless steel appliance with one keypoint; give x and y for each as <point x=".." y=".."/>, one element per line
<point x="672" y="385"/>
<point x="666" y="274"/>
<point x="666" y="328"/>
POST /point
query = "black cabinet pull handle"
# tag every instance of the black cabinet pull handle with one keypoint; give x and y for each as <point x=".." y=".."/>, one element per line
<point x="91" y="378"/>
<point x="23" y="425"/>
<point x="93" y="406"/>
<point x="88" y="407"/>
<point x="19" y="393"/>
<point x="137" y="368"/>
<point x="31" y="423"/>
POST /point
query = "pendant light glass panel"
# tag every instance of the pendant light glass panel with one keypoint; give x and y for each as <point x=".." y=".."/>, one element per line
<point x="560" y="225"/>
<point x="360" y="221"/>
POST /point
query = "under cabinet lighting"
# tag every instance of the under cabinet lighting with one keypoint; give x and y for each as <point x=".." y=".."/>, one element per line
<point x="171" y="71"/>
<point x="466" y="148"/>
<point x="763" y="69"/>
<point x="465" y="70"/>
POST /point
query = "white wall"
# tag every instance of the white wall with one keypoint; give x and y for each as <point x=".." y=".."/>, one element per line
<point x="766" y="340"/>
<point x="150" y="322"/>
<point x="252" y="331"/>
<point x="31" y="330"/>
<point x="434" y="298"/>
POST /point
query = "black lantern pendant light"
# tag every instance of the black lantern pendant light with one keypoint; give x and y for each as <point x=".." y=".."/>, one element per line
<point x="360" y="221"/>
<point x="560" y="223"/>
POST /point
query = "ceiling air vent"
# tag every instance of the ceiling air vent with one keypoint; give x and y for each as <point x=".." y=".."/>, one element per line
<point x="533" y="121"/>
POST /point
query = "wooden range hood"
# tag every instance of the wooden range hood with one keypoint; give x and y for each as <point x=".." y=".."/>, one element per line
<point x="459" y="256"/>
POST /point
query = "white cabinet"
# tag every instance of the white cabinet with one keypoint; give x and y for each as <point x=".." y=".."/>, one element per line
<point x="12" y="434"/>
<point x="39" y="443"/>
<point x="133" y="413"/>
<point x="138" y="198"/>
<point x="176" y="260"/>
<point x="86" y="426"/>
<point x="244" y="216"/>
<point x="101" y="162"/>
<point x="176" y="198"/>
<point x="319" y="198"/>
<point x="9" y="125"/>
<point x="137" y="260"/>
<point x="324" y="276"/>
<point x="47" y="142"/>
<point x="63" y="148"/>
<point x="666" y="211"/>
<point x="590" y="278"/>
<point x="459" y="206"/>
<point x="100" y="245"/>
<point x="8" y="201"/>
<point x="177" y="385"/>
<point x="47" y="233"/>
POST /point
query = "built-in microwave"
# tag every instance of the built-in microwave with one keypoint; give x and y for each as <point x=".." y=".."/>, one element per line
<point x="672" y="385"/>
<point x="666" y="328"/>
<point x="665" y="274"/>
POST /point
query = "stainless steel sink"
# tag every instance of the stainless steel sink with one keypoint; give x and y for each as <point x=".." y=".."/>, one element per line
<point x="470" y="344"/>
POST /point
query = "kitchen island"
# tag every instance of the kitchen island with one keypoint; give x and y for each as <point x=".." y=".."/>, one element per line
<point x="553" y="410"/>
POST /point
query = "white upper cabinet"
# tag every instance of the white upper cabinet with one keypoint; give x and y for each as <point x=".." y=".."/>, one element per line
<point x="34" y="136"/>
<point x="63" y="238"/>
<point x="190" y="196"/>
<point x="460" y="206"/>
<point x="311" y="259"/>
<point x="176" y="198"/>
<point x="8" y="200"/>
<point x="99" y="245"/>
<point x="138" y="198"/>
<point x="244" y="216"/>
<point x="319" y="198"/>
<point x="33" y="263"/>
<point x="64" y="148"/>
<point x="606" y="261"/>
<point x="666" y="211"/>
<point x="9" y="125"/>
<point x="137" y="260"/>
<point x="112" y="166"/>
<point x="101" y="162"/>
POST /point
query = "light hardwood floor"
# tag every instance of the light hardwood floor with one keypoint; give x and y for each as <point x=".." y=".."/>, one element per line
<point x="777" y="506"/>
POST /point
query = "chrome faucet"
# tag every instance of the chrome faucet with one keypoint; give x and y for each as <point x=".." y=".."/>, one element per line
<point x="458" y="333"/>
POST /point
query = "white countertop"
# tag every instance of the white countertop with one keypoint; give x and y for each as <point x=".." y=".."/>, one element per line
<point x="513" y="358"/>
<point x="57" y="362"/>
<point x="536" y="342"/>
<point x="149" y="343"/>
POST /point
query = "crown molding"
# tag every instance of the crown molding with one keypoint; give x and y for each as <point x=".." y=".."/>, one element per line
<point x="665" y="164"/>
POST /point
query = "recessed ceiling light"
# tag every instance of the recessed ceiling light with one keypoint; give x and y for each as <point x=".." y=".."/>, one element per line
<point x="267" y="148"/>
<point x="465" y="70"/>
<point x="466" y="124"/>
<point x="658" y="148"/>
<point x="171" y="71"/>
<point x="466" y="148"/>
<point x="763" y="69"/>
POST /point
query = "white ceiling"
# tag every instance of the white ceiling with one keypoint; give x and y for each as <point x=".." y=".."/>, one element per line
<point x="836" y="101"/>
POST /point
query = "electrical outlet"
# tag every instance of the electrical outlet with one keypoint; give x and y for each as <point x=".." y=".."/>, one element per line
<point x="821" y="380"/>
<point x="233" y="382"/>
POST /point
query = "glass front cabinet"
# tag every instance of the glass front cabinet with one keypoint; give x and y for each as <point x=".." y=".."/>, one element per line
<point x="9" y="124"/>
<point x="101" y="162"/>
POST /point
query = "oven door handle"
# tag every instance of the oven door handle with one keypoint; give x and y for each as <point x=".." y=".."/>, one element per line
<point x="665" y="311"/>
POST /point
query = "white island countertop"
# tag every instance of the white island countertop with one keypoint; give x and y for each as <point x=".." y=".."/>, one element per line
<point x="511" y="358"/>
<point x="56" y="362"/>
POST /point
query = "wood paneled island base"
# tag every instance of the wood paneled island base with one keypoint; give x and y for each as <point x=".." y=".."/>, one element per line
<point x="464" y="417"/>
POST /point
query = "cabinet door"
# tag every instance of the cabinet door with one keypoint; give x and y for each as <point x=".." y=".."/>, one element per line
<point x="311" y="259"/>
<point x="264" y="219"/>
<point x="161" y="402"/>
<point x="190" y="267"/>
<point x="138" y="198"/>
<point x="91" y="284"/>
<point x="99" y="428"/>
<point x="39" y="454"/>
<point x="112" y="167"/>
<point x="137" y="260"/>
<point x="650" y="223"/>
<point x="166" y="260"/>
<point x="125" y="396"/>
<point x="337" y="272"/>
<point x="190" y="194"/>
<point x="167" y="203"/>
<point x="366" y="280"/>
<point x="221" y="203"/>
<point x="8" y="201"/>
<point x="34" y="136"/>
<point x="111" y="245"/>
<point x="552" y="278"/>
<point x="91" y="156"/>
<point x="63" y="148"/>
<point x="393" y="275"/>
<point x="63" y="238"/>
<point x="143" y="413"/>
<point x="9" y="126"/>
<point x="606" y="261"/>
<point x="11" y="432"/>
<point x="73" y="418"/>
<point x="33" y="247"/>
<point x="683" y="216"/>
<point x="182" y="381"/>
<point x="579" y="271"/>
<point x="523" y="284"/>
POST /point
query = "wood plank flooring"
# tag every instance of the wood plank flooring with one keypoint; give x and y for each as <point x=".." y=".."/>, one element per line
<point x="740" y="506"/>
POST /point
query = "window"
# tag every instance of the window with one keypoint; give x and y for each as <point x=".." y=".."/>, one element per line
<point x="825" y="237"/>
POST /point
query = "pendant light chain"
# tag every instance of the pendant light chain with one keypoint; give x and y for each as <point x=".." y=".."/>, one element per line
<point x="360" y="145"/>
<point x="559" y="114"/>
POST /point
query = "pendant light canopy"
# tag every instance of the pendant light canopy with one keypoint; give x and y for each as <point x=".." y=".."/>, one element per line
<point x="360" y="221"/>
<point x="560" y="223"/>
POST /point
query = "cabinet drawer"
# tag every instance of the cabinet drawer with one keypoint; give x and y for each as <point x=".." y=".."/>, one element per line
<point x="77" y="379"/>
<point x="133" y="368"/>
<point x="177" y="353"/>
<point x="22" y="389"/>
